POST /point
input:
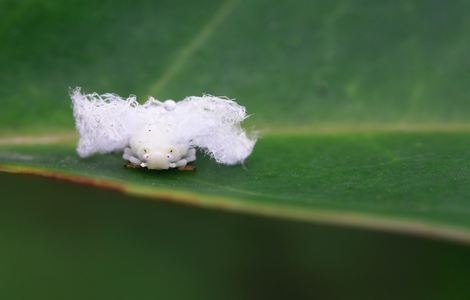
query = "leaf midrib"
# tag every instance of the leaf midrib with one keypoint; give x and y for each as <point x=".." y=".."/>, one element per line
<point x="193" y="45"/>
<point x="72" y="136"/>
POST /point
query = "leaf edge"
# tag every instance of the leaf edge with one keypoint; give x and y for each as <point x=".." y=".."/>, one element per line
<point x="369" y="221"/>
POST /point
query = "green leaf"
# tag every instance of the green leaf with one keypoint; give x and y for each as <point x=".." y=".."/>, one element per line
<point x="298" y="63"/>
<point x="363" y="104"/>
<point x="408" y="182"/>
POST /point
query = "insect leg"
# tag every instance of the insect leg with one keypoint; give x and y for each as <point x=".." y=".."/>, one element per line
<point x="127" y="153"/>
<point x="134" y="160"/>
<point x="191" y="155"/>
<point x="181" y="163"/>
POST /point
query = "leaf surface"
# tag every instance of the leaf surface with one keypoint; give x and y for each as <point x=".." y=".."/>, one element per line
<point x="365" y="118"/>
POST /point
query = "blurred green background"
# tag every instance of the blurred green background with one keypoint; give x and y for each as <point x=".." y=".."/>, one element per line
<point x="364" y="109"/>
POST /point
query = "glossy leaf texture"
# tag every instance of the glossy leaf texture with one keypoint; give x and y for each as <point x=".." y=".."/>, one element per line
<point x="363" y="104"/>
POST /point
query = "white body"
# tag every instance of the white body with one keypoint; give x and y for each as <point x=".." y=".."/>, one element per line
<point x="160" y="135"/>
<point x="149" y="148"/>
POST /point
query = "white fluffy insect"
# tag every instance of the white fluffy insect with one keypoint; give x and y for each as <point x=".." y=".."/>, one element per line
<point x="161" y="135"/>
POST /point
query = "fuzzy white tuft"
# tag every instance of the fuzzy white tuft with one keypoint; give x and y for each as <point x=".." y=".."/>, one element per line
<point x="107" y="122"/>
